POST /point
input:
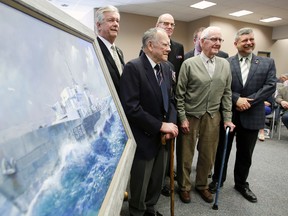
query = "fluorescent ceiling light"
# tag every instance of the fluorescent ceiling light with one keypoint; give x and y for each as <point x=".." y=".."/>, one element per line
<point x="271" y="19"/>
<point x="203" y="5"/>
<point x="241" y="13"/>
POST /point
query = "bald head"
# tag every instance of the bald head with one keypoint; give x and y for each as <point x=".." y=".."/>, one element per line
<point x="166" y="22"/>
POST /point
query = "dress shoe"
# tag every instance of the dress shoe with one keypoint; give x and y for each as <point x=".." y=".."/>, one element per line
<point x="246" y="192"/>
<point x="206" y="195"/>
<point x="153" y="214"/>
<point x="185" y="196"/>
<point x="166" y="191"/>
<point x="213" y="187"/>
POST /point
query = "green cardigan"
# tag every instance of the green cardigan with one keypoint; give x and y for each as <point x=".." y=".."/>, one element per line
<point x="198" y="93"/>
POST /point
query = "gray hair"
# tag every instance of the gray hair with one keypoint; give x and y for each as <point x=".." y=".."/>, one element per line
<point x="99" y="14"/>
<point x="151" y="35"/>
<point x="207" y="31"/>
<point x="243" y="31"/>
<point x="195" y="34"/>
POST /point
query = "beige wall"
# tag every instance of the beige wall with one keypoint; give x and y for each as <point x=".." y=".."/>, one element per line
<point x="133" y="26"/>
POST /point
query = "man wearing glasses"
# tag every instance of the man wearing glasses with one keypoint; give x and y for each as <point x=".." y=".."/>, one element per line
<point x="176" y="57"/>
<point x="197" y="48"/>
<point x="203" y="87"/>
<point x="253" y="81"/>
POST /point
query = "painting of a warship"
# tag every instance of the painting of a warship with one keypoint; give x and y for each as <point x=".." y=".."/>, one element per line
<point x="63" y="168"/>
<point x="62" y="134"/>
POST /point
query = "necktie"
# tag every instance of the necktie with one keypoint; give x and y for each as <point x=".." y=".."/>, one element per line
<point x="158" y="74"/>
<point x="116" y="59"/>
<point x="162" y="86"/>
<point x="210" y="67"/>
<point x="244" y="69"/>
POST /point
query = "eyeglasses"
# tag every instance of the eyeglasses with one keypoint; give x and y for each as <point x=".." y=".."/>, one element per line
<point x="214" y="40"/>
<point x="168" y="23"/>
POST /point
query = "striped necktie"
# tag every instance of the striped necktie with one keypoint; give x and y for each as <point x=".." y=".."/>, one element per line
<point x="116" y="59"/>
<point x="158" y="74"/>
<point x="244" y="69"/>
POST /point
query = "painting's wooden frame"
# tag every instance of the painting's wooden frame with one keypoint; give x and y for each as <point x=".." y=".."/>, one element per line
<point x="46" y="12"/>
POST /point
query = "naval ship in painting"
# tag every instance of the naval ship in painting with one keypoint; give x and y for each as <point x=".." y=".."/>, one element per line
<point x="65" y="167"/>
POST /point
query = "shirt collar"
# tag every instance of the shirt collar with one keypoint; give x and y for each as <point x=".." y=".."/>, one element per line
<point x="249" y="57"/>
<point x="205" y="58"/>
<point x="151" y="61"/>
<point x="106" y="42"/>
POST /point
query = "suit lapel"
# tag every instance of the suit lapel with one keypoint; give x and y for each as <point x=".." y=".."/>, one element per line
<point x="120" y="54"/>
<point x="235" y="66"/>
<point x="107" y="55"/>
<point x="164" y="87"/>
<point x="150" y="74"/>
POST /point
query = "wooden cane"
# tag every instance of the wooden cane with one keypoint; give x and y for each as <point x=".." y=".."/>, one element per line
<point x="172" y="177"/>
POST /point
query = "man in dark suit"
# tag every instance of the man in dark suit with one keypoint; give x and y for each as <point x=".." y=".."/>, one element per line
<point x="253" y="81"/>
<point x="197" y="48"/>
<point x="175" y="57"/>
<point x="147" y="99"/>
<point x="107" y="27"/>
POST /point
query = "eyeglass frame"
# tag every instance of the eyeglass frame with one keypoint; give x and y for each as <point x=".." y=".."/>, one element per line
<point x="214" y="40"/>
<point x="168" y="23"/>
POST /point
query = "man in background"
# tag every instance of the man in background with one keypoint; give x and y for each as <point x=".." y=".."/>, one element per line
<point x="176" y="55"/>
<point x="107" y="24"/>
<point x="282" y="100"/>
<point x="197" y="48"/>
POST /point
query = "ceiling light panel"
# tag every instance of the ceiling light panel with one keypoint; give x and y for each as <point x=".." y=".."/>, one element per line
<point x="203" y="4"/>
<point x="271" y="19"/>
<point x="241" y="13"/>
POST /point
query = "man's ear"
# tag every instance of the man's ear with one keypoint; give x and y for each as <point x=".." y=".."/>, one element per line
<point x="150" y="45"/>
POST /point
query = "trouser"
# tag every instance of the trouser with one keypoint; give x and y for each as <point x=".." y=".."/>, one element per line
<point x="245" y="144"/>
<point x="146" y="183"/>
<point x="205" y="130"/>
<point x="285" y="119"/>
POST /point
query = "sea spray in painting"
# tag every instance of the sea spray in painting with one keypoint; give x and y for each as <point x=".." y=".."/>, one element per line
<point x="67" y="167"/>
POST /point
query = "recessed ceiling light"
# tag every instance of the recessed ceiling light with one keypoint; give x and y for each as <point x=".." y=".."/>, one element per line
<point x="203" y="5"/>
<point x="241" y="13"/>
<point x="271" y="19"/>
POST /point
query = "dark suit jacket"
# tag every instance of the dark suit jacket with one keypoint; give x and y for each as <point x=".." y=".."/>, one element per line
<point x="113" y="70"/>
<point x="260" y="84"/>
<point x="191" y="54"/>
<point x="141" y="98"/>
<point x="176" y="56"/>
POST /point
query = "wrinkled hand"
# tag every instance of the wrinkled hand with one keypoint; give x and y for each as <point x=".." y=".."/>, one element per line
<point x="284" y="104"/>
<point x="169" y="129"/>
<point x="185" y="126"/>
<point x="229" y="124"/>
<point x="243" y="104"/>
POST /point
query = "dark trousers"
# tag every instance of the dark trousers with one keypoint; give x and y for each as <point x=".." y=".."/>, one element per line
<point x="146" y="183"/>
<point x="245" y="144"/>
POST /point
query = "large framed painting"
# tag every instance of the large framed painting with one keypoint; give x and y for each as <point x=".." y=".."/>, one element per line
<point x="65" y="145"/>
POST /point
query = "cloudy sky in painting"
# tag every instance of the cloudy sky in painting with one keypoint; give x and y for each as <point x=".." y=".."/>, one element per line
<point x="37" y="61"/>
